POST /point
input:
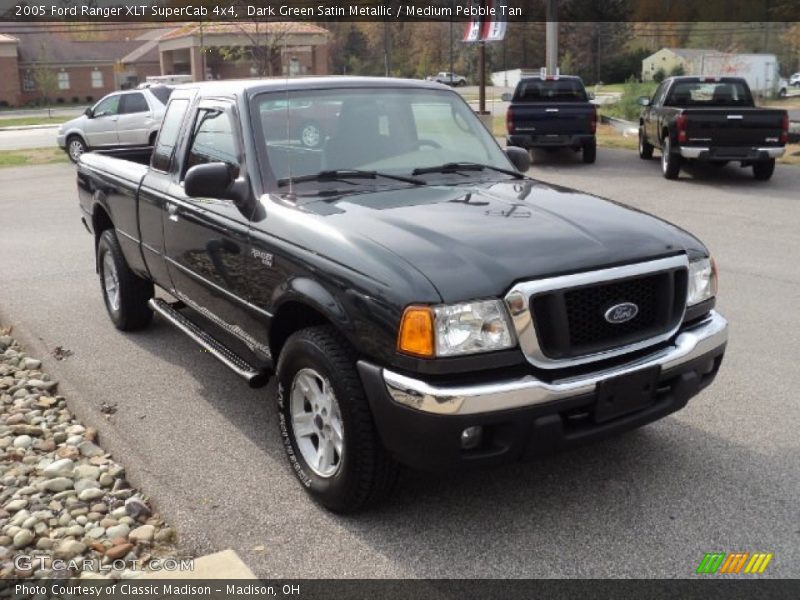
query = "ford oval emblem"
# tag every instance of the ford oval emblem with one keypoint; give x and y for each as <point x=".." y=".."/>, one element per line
<point x="621" y="313"/>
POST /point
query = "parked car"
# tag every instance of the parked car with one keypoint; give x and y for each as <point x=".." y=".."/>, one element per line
<point x="406" y="317"/>
<point x="783" y="88"/>
<point x="119" y="120"/>
<point x="306" y="122"/>
<point x="794" y="80"/>
<point x="711" y="119"/>
<point x="448" y="78"/>
<point x="552" y="112"/>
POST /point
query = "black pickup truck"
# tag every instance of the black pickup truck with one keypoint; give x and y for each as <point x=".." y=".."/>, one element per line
<point x="418" y="299"/>
<point x="711" y="119"/>
<point x="552" y="112"/>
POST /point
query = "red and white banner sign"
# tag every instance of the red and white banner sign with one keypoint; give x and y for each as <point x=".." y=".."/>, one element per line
<point x="490" y="28"/>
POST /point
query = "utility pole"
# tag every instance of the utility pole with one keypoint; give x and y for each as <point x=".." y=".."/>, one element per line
<point x="451" y="44"/>
<point x="387" y="65"/>
<point x="482" y="79"/>
<point x="551" y="33"/>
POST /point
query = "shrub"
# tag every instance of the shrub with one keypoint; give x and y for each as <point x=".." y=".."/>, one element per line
<point x="677" y="71"/>
<point x="628" y="107"/>
<point x="659" y="76"/>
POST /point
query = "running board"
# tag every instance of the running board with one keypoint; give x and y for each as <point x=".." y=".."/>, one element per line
<point x="254" y="377"/>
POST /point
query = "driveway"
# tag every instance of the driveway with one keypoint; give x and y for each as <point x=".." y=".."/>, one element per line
<point x="721" y="475"/>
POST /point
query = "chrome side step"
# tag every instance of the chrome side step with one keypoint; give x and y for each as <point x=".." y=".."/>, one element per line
<point x="254" y="377"/>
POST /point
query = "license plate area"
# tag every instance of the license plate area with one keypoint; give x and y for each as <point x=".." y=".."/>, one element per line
<point x="625" y="394"/>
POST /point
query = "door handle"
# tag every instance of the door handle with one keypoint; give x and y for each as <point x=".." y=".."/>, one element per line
<point x="172" y="211"/>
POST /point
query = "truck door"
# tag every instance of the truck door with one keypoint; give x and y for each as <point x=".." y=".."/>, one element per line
<point x="156" y="187"/>
<point x="206" y="239"/>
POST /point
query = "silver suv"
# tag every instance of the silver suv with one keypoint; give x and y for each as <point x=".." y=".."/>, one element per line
<point x="121" y="119"/>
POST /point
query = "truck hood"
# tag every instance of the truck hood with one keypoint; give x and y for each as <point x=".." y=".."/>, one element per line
<point x="475" y="240"/>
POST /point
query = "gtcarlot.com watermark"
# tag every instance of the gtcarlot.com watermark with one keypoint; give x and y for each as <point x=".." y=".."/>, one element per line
<point x="26" y="562"/>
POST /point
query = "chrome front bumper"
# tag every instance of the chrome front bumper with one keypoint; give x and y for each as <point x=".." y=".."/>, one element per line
<point x="697" y="151"/>
<point x="690" y="344"/>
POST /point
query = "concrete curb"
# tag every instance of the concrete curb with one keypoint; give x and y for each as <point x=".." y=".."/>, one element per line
<point x="27" y="127"/>
<point x="220" y="565"/>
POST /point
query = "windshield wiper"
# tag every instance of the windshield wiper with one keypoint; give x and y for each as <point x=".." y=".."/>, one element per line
<point x="340" y="174"/>
<point x="455" y="167"/>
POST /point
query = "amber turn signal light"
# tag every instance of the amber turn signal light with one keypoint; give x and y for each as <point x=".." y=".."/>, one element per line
<point x="416" y="332"/>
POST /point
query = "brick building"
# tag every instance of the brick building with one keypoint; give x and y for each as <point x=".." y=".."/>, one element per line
<point x="224" y="50"/>
<point x="84" y="70"/>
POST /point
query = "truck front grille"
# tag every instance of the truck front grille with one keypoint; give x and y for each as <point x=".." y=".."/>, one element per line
<point x="569" y="320"/>
<point x="572" y="322"/>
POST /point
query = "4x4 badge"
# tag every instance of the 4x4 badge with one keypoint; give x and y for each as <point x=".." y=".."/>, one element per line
<point x="621" y="313"/>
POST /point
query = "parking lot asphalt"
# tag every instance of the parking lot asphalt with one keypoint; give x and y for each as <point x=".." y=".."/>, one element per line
<point x="721" y="475"/>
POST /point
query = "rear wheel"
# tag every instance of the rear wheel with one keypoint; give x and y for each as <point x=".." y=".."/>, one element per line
<point x="590" y="152"/>
<point x="670" y="162"/>
<point x="764" y="169"/>
<point x="125" y="293"/>
<point x="645" y="149"/>
<point x="327" y="427"/>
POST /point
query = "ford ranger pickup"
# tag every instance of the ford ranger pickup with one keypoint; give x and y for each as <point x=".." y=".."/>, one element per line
<point x="414" y="297"/>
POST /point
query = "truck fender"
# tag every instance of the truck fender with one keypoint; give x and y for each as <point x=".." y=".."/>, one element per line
<point x="306" y="292"/>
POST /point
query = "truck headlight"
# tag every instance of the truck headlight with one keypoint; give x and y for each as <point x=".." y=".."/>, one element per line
<point x="455" y="329"/>
<point x="702" y="281"/>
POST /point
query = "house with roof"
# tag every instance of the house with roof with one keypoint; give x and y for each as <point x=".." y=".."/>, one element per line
<point x="84" y="68"/>
<point x="669" y="59"/>
<point x="245" y="49"/>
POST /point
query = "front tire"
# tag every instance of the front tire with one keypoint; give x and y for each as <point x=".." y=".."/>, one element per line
<point x="326" y="424"/>
<point x="75" y="147"/>
<point x="670" y="162"/>
<point x="590" y="152"/>
<point x="125" y="294"/>
<point x="645" y="149"/>
<point x="764" y="169"/>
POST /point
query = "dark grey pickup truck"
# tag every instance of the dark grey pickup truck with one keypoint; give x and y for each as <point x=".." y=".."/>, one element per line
<point x="711" y="119"/>
<point x="552" y="112"/>
<point x="417" y="298"/>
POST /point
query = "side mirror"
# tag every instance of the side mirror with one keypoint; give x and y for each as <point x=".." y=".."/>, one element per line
<point x="590" y="95"/>
<point x="643" y="101"/>
<point x="506" y="97"/>
<point x="519" y="157"/>
<point x="211" y="180"/>
<point x="89" y="112"/>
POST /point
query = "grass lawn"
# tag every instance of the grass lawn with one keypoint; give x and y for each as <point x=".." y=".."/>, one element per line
<point x="32" y="156"/>
<point x="21" y="121"/>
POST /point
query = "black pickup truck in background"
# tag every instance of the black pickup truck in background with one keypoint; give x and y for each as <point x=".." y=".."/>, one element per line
<point x="552" y="112"/>
<point x="405" y="318"/>
<point x="711" y="119"/>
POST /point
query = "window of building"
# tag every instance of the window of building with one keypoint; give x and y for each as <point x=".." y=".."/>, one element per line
<point x="63" y="80"/>
<point x="28" y="82"/>
<point x="97" y="79"/>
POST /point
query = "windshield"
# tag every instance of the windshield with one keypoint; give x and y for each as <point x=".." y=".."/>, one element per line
<point x="702" y="93"/>
<point x="556" y="90"/>
<point x="389" y="130"/>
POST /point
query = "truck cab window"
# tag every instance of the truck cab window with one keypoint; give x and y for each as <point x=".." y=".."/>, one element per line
<point x="168" y="138"/>
<point x="212" y="140"/>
